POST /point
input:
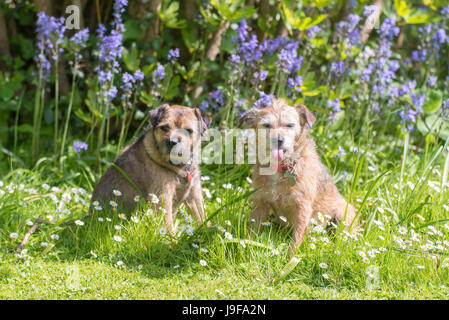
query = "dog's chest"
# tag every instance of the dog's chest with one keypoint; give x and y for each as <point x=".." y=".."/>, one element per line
<point x="182" y="190"/>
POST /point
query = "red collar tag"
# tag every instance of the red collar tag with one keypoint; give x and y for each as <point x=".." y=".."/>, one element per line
<point x="189" y="177"/>
<point x="283" y="167"/>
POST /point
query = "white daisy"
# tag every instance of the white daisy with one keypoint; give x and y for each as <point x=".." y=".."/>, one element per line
<point x="113" y="203"/>
<point x="323" y="265"/>
<point x="135" y="219"/>
<point x="153" y="198"/>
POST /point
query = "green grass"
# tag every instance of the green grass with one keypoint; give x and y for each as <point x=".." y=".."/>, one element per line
<point x="81" y="262"/>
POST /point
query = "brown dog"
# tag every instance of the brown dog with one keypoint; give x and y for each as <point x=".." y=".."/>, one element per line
<point x="163" y="161"/>
<point x="298" y="186"/>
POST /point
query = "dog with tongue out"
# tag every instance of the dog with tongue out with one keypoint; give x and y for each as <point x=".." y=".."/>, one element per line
<point x="291" y="180"/>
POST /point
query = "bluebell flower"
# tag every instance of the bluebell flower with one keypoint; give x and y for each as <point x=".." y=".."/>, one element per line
<point x="217" y="97"/>
<point x="341" y="152"/>
<point x="79" y="145"/>
<point x="119" y="9"/>
<point x="338" y="68"/>
<point x="408" y="116"/>
<point x="369" y="9"/>
<point x="335" y="107"/>
<point x="286" y="59"/>
<point x="264" y="100"/>
<point x="78" y="42"/>
<point x="432" y="80"/>
<point x="173" y="55"/>
<point x="260" y="76"/>
<point x="204" y="105"/>
<point x="159" y="73"/>
<point x="388" y="30"/>
<point x="50" y="34"/>
<point x="311" y="32"/>
<point x="418" y="101"/>
<point x="138" y="75"/>
<point x="295" y="83"/>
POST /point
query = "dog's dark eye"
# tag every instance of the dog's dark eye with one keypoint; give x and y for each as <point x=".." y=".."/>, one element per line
<point x="267" y="126"/>
<point x="290" y="125"/>
<point x="189" y="131"/>
<point x="165" y="128"/>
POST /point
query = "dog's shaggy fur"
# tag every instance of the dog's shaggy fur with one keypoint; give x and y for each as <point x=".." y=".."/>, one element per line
<point x="313" y="190"/>
<point x="148" y="162"/>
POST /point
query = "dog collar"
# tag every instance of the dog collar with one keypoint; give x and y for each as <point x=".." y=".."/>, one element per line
<point x="288" y="173"/>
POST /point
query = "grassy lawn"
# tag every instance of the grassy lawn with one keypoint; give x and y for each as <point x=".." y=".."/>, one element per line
<point x="398" y="251"/>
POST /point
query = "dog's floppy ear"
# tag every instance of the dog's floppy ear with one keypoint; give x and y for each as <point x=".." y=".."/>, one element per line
<point x="249" y="118"/>
<point x="157" y="114"/>
<point x="204" y="119"/>
<point x="305" y="115"/>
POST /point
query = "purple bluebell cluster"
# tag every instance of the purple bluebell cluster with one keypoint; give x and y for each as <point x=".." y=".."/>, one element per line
<point x="408" y="116"/>
<point x="173" y="55"/>
<point x="250" y="52"/>
<point x="259" y="76"/>
<point x="312" y="32"/>
<point x="130" y="81"/>
<point x="158" y="76"/>
<point x="109" y="54"/>
<point x="119" y="9"/>
<point x="348" y="31"/>
<point x="381" y="70"/>
<point x="78" y="42"/>
<point x="214" y="101"/>
<point x="335" y="107"/>
<point x="294" y="86"/>
<point x="50" y="36"/>
<point x="264" y="100"/>
<point x="370" y="9"/>
<point x="80" y="145"/>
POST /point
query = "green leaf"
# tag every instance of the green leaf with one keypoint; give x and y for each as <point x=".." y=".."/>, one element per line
<point x="289" y="267"/>
<point x="169" y="15"/>
<point x="401" y="8"/>
<point x="419" y="16"/>
<point x="309" y="23"/>
<point x="131" y="57"/>
<point x="433" y="101"/>
<point x="434" y="124"/>
<point x="133" y="30"/>
<point x="8" y="89"/>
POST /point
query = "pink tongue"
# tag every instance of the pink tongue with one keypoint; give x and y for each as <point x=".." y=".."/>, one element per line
<point x="277" y="154"/>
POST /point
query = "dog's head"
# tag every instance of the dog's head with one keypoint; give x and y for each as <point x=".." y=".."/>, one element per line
<point x="177" y="132"/>
<point x="281" y="126"/>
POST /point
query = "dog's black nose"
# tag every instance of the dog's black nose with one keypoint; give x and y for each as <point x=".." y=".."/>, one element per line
<point x="280" y="141"/>
<point x="172" y="142"/>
